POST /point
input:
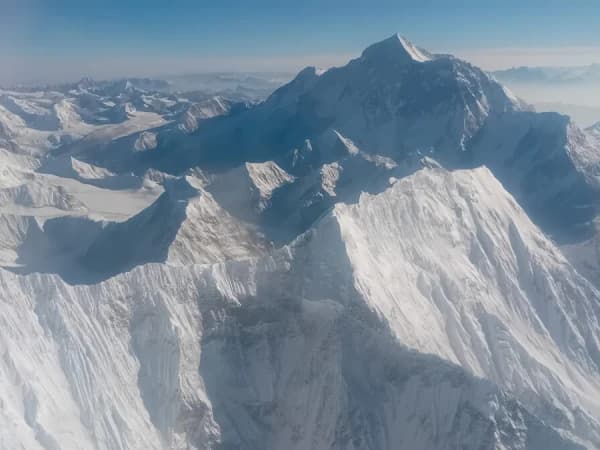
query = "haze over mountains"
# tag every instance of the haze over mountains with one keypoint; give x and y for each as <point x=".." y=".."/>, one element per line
<point x="573" y="91"/>
<point x="396" y="253"/>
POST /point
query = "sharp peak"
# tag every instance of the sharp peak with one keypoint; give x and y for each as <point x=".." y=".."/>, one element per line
<point x="398" y="48"/>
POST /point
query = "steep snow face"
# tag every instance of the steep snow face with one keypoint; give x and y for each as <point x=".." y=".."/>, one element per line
<point x="585" y="257"/>
<point x="452" y="253"/>
<point x="585" y="153"/>
<point x="288" y="205"/>
<point x="17" y="232"/>
<point x="550" y="167"/>
<point x="299" y="349"/>
<point x="14" y="168"/>
<point x="212" y="107"/>
<point x="38" y="194"/>
<point x="246" y="191"/>
<point x="185" y="225"/>
<point x="267" y="177"/>
<point x="88" y="171"/>
<point x="594" y="132"/>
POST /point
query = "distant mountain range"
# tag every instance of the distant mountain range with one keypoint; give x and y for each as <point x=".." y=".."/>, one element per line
<point x="558" y="75"/>
<point x="241" y="86"/>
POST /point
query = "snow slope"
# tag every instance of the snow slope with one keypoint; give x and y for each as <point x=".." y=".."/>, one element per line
<point x="494" y="294"/>
<point x="300" y="350"/>
<point x="594" y="131"/>
<point x="246" y="191"/>
<point x="185" y="225"/>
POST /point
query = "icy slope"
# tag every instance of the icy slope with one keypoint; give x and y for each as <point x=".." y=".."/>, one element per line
<point x="365" y="333"/>
<point x="185" y="225"/>
<point x="246" y="191"/>
<point x="167" y="359"/>
<point x="212" y="107"/>
<point x="38" y="194"/>
<point x="18" y="233"/>
<point x="494" y="295"/>
<point x="594" y="131"/>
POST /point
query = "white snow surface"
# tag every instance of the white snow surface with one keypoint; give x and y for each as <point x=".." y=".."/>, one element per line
<point x="474" y="271"/>
<point x="291" y="350"/>
<point x="594" y="132"/>
<point x="247" y="190"/>
<point x="415" y="53"/>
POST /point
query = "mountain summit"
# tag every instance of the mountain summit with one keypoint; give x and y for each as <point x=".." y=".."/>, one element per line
<point x="396" y="49"/>
<point x="400" y="102"/>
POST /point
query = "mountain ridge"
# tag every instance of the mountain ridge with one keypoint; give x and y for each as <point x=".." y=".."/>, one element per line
<point x="305" y="286"/>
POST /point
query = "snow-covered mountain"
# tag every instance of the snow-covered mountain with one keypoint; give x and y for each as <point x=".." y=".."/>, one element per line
<point x="313" y="347"/>
<point x="88" y="113"/>
<point x="401" y="103"/>
<point x="332" y="268"/>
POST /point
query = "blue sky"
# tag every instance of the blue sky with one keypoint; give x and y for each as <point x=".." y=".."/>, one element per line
<point x="68" y="38"/>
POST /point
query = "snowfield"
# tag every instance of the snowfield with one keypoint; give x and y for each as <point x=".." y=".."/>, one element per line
<point x="393" y="254"/>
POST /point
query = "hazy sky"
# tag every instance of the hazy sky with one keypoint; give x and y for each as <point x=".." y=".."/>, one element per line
<point x="66" y="39"/>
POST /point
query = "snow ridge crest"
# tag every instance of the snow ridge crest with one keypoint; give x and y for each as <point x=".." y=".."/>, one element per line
<point x="397" y="48"/>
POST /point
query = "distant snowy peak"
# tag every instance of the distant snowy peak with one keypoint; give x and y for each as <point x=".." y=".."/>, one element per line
<point x="594" y="129"/>
<point x="205" y="109"/>
<point x="397" y="49"/>
<point x="120" y="85"/>
<point x="395" y="97"/>
<point x="38" y="194"/>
